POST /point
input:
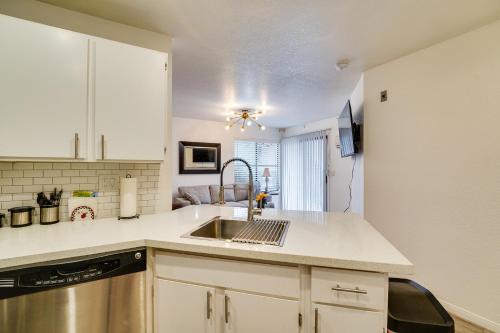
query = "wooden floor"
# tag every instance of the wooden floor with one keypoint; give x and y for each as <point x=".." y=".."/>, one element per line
<point x="462" y="326"/>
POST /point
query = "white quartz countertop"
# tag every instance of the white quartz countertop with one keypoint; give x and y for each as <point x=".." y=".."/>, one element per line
<point x="313" y="238"/>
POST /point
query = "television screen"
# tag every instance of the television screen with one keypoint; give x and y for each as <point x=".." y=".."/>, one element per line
<point x="201" y="155"/>
<point x="347" y="132"/>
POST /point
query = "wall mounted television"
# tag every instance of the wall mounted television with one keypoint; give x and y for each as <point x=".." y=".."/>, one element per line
<point x="348" y="132"/>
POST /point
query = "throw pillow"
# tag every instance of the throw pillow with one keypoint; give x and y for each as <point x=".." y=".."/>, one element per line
<point x="193" y="199"/>
<point x="228" y="193"/>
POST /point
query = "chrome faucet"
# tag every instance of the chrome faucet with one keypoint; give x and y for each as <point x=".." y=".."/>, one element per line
<point x="251" y="210"/>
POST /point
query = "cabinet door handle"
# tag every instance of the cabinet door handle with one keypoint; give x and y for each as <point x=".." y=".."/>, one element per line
<point x="77" y="146"/>
<point x="316" y="320"/>
<point x="209" y="308"/>
<point x="350" y="290"/>
<point x="102" y="147"/>
<point x="226" y="309"/>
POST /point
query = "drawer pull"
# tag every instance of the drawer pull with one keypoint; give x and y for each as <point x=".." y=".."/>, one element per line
<point x="316" y="324"/>
<point x="209" y="308"/>
<point x="355" y="290"/>
<point x="226" y="309"/>
<point x="77" y="146"/>
<point x="102" y="147"/>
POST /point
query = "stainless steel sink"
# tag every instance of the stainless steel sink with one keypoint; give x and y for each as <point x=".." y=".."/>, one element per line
<point x="259" y="231"/>
<point x="218" y="228"/>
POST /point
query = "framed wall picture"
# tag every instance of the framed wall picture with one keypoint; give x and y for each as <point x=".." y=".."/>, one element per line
<point x="199" y="157"/>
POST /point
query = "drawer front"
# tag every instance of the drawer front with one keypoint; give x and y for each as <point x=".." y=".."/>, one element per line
<point x="334" y="319"/>
<point x="349" y="288"/>
<point x="233" y="274"/>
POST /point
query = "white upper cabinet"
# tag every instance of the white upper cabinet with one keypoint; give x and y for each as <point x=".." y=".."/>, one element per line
<point x="43" y="91"/>
<point x="130" y="93"/>
<point x="62" y="93"/>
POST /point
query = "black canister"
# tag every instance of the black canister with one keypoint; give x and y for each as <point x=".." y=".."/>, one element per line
<point x="21" y="216"/>
<point x="2" y="218"/>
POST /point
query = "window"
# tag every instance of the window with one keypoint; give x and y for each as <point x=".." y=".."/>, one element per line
<point x="259" y="155"/>
<point x="304" y="172"/>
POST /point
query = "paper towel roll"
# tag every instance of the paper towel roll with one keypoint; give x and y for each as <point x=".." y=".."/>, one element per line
<point x="128" y="197"/>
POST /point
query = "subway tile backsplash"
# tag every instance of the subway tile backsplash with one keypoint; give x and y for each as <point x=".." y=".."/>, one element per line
<point x="21" y="181"/>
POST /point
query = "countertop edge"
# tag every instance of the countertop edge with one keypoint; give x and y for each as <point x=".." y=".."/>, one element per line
<point x="199" y="249"/>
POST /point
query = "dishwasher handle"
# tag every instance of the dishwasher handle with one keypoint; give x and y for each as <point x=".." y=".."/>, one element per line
<point x="76" y="270"/>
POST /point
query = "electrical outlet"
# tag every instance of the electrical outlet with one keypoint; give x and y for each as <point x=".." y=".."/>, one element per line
<point x="383" y="96"/>
<point x="109" y="183"/>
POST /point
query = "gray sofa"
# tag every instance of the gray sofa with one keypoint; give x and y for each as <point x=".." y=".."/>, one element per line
<point x="235" y="195"/>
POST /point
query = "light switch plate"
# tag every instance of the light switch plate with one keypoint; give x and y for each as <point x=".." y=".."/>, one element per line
<point x="383" y="96"/>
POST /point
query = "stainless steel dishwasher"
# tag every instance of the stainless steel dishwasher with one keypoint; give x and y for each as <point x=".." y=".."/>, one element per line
<point x="97" y="294"/>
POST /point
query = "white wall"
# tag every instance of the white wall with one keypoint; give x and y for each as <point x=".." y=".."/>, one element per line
<point x="55" y="16"/>
<point x="340" y="168"/>
<point x="432" y="167"/>
<point x="186" y="129"/>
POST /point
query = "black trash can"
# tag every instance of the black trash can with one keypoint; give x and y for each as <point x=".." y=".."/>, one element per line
<point x="413" y="309"/>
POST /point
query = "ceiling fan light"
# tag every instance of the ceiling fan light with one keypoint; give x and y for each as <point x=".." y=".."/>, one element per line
<point x="227" y="127"/>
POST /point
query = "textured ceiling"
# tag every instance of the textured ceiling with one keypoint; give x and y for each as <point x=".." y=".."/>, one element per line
<point x="281" y="54"/>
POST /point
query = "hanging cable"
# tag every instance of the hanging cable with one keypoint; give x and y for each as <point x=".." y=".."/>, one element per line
<point x="350" y="185"/>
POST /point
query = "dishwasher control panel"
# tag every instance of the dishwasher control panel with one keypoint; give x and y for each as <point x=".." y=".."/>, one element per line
<point x="71" y="272"/>
<point x="68" y="276"/>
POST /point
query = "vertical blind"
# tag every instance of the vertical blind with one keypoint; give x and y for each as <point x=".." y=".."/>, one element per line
<point x="259" y="155"/>
<point x="304" y="161"/>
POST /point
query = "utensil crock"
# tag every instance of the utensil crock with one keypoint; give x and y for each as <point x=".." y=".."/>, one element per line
<point x="49" y="214"/>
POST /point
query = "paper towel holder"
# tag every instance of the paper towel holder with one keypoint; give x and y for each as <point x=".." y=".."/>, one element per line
<point x="136" y="216"/>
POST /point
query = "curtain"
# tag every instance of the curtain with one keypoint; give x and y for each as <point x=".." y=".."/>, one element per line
<point x="304" y="172"/>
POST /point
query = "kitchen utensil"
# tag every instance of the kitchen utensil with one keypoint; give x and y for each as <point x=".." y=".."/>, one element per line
<point x="49" y="214"/>
<point x="2" y="216"/>
<point x="53" y="195"/>
<point x="55" y="198"/>
<point x="42" y="199"/>
<point x="59" y="196"/>
<point x="21" y="216"/>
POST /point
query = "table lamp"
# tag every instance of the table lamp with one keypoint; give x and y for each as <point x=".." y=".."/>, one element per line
<point x="266" y="174"/>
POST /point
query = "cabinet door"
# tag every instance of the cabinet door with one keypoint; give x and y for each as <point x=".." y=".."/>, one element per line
<point x="246" y="313"/>
<point x="333" y="319"/>
<point x="43" y="90"/>
<point x="184" y="308"/>
<point x="129" y="102"/>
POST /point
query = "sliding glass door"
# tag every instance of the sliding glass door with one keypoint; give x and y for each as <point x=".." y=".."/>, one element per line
<point x="304" y="172"/>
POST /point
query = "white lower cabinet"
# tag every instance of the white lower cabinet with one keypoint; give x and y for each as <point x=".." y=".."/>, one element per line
<point x="223" y="295"/>
<point x="335" y="319"/>
<point x="184" y="308"/>
<point x="246" y="313"/>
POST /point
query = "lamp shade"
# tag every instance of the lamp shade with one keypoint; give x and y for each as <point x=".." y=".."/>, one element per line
<point x="266" y="173"/>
